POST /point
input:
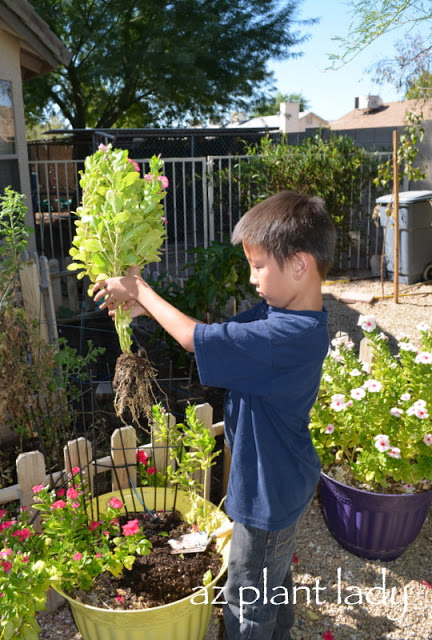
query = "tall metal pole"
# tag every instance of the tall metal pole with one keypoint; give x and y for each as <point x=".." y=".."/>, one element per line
<point x="396" y="216"/>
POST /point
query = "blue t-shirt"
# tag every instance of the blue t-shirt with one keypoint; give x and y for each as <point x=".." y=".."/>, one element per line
<point x="270" y="361"/>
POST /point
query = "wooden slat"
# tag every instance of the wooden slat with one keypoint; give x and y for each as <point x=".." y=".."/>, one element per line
<point x="31" y="471"/>
<point x="123" y="451"/>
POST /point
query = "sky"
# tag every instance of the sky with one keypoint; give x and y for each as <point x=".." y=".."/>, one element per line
<point x="331" y="93"/>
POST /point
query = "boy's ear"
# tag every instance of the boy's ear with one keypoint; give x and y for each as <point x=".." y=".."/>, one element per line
<point x="300" y="263"/>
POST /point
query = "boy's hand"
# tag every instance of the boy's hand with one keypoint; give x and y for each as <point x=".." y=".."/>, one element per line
<point x="117" y="291"/>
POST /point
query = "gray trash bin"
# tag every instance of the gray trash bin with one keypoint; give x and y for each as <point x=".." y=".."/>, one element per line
<point x="415" y="235"/>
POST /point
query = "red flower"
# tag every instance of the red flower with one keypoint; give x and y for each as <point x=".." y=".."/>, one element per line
<point x="294" y="558"/>
<point x="135" y="164"/>
<point x="22" y="534"/>
<point x="328" y="635"/>
<point x="151" y="471"/>
<point x="93" y="525"/>
<point x="7" y="566"/>
<point x="61" y="493"/>
<point x="141" y="456"/>
<point x="115" y="503"/>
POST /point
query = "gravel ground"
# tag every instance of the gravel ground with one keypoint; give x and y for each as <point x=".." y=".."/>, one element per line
<point x="337" y="598"/>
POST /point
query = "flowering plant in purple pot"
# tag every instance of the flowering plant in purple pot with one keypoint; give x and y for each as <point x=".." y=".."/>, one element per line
<point x="372" y="422"/>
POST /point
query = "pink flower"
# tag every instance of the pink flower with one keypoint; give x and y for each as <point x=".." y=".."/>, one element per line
<point x="405" y="396"/>
<point x="75" y="470"/>
<point x="149" y="177"/>
<point x="98" y="555"/>
<point x="26" y="558"/>
<point x="426" y="584"/>
<point x="328" y="635"/>
<point x="61" y="492"/>
<point x="6" y="524"/>
<point x="59" y="504"/>
<point x="77" y="556"/>
<point x="337" y="402"/>
<point x="119" y="598"/>
<point x="3" y="512"/>
<point x="5" y="553"/>
<point x="93" y="525"/>
<point x="115" y="503"/>
<point x="102" y="147"/>
<point x="141" y="456"/>
<point x="38" y="487"/>
<point x="294" y="558"/>
<point x="135" y="164"/>
<point x="164" y="181"/>
<point x="75" y="505"/>
<point x="394" y="452"/>
<point x="329" y="428"/>
<point x="72" y="494"/>
<point x="130" y="528"/>
<point x="151" y="471"/>
<point x="428" y="439"/>
<point x="421" y="413"/>
<point x="382" y="442"/>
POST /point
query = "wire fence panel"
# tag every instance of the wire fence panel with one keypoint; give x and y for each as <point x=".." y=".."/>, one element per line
<point x="204" y="201"/>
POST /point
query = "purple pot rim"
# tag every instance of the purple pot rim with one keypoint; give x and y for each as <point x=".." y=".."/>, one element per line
<point x="375" y="493"/>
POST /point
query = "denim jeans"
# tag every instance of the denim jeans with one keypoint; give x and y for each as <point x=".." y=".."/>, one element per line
<point x="258" y="591"/>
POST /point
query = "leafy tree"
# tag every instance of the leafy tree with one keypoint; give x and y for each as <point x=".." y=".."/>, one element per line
<point x="138" y="62"/>
<point x="372" y="20"/>
<point x="421" y="87"/>
<point x="269" y="106"/>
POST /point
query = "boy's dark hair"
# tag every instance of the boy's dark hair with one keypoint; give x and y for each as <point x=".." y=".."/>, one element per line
<point x="288" y="223"/>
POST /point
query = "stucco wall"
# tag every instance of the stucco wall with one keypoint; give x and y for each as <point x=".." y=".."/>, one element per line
<point x="10" y="70"/>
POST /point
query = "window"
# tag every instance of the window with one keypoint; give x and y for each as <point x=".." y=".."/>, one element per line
<point x="9" y="173"/>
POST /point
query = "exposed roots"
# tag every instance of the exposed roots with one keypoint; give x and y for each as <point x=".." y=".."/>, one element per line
<point x="133" y="385"/>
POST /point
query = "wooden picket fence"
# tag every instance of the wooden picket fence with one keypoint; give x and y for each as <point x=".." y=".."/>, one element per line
<point x="120" y="462"/>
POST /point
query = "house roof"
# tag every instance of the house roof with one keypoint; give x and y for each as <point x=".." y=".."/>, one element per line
<point x="41" y="50"/>
<point x="390" y="114"/>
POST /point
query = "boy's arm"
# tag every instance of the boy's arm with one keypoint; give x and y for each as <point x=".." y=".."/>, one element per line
<point x="130" y="290"/>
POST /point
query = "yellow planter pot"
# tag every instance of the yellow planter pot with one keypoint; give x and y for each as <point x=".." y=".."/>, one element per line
<point x="181" y="620"/>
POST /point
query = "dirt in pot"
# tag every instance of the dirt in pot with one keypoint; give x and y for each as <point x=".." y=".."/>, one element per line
<point x="158" y="578"/>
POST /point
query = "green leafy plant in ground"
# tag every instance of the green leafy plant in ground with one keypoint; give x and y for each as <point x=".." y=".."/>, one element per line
<point x="333" y="167"/>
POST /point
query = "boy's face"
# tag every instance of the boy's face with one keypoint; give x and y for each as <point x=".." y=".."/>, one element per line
<point x="277" y="286"/>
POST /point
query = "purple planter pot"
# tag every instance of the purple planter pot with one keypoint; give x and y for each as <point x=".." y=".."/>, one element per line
<point x="372" y="525"/>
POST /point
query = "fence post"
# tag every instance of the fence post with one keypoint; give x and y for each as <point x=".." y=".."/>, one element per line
<point x="78" y="453"/>
<point x="47" y="297"/>
<point x="31" y="294"/>
<point x="31" y="471"/>
<point x="123" y="452"/>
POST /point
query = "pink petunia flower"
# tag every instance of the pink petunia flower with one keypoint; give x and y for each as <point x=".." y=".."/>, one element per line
<point x="38" y="487"/>
<point x="72" y="494"/>
<point x="58" y="504"/>
<point x="427" y="439"/>
<point x="130" y="528"/>
<point x="164" y="181"/>
<point x="329" y="428"/>
<point x="5" y="553"/>
<point x="22" y="534"/>
<point x="115" y="503"/>
<point x="77" y="556"/>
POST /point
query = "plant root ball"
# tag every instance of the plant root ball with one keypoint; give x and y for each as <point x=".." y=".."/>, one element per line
<point x="133" y="385"/>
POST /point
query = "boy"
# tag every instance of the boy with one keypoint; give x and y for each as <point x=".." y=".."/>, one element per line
<point x="269" y="358"/>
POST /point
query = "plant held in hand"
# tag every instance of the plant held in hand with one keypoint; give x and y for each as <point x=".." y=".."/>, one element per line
<point x="120" y="226"/>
